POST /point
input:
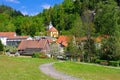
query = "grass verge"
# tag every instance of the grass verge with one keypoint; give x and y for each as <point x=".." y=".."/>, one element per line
<point x="88" y="72"/>
<point x="14" y="68"/>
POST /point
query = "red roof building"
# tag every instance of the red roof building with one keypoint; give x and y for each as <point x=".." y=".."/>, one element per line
<point x="52" y="31"/>
<point x="63" y="40"/>
<point x="28" y="47"/>
<point x="11" y="39"/>
<point x="100" y="38"/>
<point x="7" y="34"/>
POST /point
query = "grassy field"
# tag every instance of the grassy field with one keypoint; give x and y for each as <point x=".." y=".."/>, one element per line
<point x="88" y="71"/>
<point x="12" y="68"/>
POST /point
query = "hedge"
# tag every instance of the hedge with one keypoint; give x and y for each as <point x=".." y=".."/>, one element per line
<point x="114" y="63"/>
<point x="99" y="61"/>
<point x="102" y="62"/>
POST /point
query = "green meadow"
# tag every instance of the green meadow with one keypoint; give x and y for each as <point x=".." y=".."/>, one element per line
<point x="89" y="71"/>
<point x="20" y="68"/>
<point x="14" y="68"/>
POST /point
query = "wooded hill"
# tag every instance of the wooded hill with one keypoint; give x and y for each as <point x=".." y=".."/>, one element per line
<point x="66" y="17"/>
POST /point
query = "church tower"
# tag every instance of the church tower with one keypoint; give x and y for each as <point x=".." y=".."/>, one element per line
<point x="52" y="31"/>
<point x="50" y="25"/>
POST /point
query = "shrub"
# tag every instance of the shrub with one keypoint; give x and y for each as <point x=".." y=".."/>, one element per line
<point x="1" y="52"/>
<point x="39" y="55"/>
<point x="119" y="62"/>
<point x="99" y="61"/>
<point x="10" y="49"/>
<point x="114" y="63"/>
<point x="36" y="55"/>
<point x="102" y="62"/>
<point x="42" y="55"/>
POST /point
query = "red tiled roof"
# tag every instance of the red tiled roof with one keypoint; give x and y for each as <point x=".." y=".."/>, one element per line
<point x="63" y="40"/>
<point x="19" y="37"/>
<point x="49" y="40"/>
<point x="99" y="38"/>
<point x="8" y="34"/>
<point x="53" y="29"/>
<point x="32" y="44"/>
<point x="65" y="43"/>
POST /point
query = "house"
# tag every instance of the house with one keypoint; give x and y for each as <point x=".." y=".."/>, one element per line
<point x="52" y="31"/>
<point x="99" y="39"/>
<point x="28" y="47"/>
<point x="50" y="39"/>
<point x="63" y="40"/>
<point x="14" y="41"/>
<point x="11" y="39"/>
<point x="5" y="35"/>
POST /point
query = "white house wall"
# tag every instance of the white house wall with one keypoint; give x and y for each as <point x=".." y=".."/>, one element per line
<point x="3" y="40"/>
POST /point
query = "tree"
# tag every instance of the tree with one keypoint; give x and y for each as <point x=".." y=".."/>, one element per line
<point x="107" y="22"/>
<point x="1" y="46"/>
<point x="89" y="29"/>
<point x="104" y="19"/>
<point x="77" y="27"/>
<point x="78" y="7"/>
<point x="73" y="49"/>
<point x="68" y="6"/>
<point x="55" y="50"/>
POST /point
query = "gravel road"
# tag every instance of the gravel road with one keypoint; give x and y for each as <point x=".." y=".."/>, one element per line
<point x="49" y="70"/>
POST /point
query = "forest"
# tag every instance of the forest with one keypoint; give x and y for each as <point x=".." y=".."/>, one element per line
<point x="81" y="18"/>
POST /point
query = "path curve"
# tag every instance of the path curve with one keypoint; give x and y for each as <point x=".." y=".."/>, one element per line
<point x="49" y="70"/>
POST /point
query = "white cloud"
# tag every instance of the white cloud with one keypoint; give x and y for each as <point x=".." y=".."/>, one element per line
<point x="46" y="6"/>
<point x="13" y="1"/>
<point x="29" y="13"/>
<point x="24" y="13"/>
<point x="33" y="14"/>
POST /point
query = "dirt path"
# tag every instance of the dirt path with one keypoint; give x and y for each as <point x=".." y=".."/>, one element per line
<point x="49" y="70"/>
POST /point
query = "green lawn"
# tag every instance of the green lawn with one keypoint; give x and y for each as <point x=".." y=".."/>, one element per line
<point x="89" y="72"/>
<point x="13" y="68"/>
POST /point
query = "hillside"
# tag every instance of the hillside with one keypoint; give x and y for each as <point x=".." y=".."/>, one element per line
<point x="68" y="17"/>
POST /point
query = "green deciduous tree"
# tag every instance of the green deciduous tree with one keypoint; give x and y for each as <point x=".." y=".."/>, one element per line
<point x="108" y="23"/>
<point x="77" y="27"/>
<point x="1" y="46"/>
<point x="73" y="49"/>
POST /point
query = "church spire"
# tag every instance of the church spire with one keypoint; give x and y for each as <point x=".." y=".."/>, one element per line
<point x="50" y="25"/>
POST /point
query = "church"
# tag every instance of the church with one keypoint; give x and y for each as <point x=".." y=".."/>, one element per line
<point x="52" y="31"/>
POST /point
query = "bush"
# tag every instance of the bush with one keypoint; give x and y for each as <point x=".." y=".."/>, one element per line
<point x="42" y="55"/>
<point x="119" y="62"/>
<point x="102" y="62"/>
<point x="99" y="61"/>
<point x="1" y="52"/>
<point x="36" y="55"/>
<point x="39" y="55"/>
<point x="10" y="49"/>
<point x="114" y="63"/>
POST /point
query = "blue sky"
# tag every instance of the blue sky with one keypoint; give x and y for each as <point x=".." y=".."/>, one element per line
<point x="30" y="7"/>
